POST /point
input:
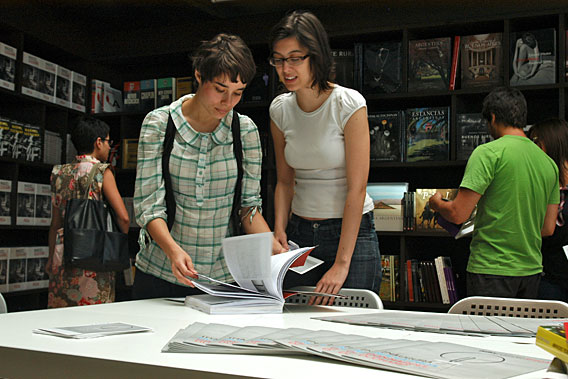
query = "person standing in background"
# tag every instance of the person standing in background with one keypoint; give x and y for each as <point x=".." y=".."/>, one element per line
<point x="321" y="141"/>
<point x="551" y="135"/>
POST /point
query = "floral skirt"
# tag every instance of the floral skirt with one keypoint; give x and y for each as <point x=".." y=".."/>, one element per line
<point x="71" y="286"/>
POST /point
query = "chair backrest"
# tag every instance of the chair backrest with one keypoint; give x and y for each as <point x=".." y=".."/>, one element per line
<point x="500" y="306"/>
<point x="3" y="306"/>
<point x="359" y="298"/>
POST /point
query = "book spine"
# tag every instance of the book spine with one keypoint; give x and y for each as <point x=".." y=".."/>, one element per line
<point x="409" y="280"/>
<point x="455" y="57"/>
<point x="442" y="280"/>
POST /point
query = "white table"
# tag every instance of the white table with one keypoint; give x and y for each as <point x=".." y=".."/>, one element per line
<point x="24" y="354"/>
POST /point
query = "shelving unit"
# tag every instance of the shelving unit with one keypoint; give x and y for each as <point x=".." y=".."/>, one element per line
<point x="361" y="24"/>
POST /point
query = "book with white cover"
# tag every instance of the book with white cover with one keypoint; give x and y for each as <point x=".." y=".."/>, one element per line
<point x="43" y="205"/>
<point x="5" y="195"/>
<point x="4" y="270"/>
<point x="92" y="331"/>
<point x="258" y="273"/>
<point x="25" y="214"/>
<point x="8" y="56"/>
<point x="17" y="274"/>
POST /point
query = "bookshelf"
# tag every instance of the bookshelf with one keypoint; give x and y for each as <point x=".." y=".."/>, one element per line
<point x="121" y="57"/>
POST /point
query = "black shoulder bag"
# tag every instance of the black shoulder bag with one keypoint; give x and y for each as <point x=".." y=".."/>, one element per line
<point x="238" y="150"/>
<point x="92" y="239"/>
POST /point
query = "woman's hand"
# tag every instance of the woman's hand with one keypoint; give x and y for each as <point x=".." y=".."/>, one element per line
<point x="277" y="247"/>
<point x="282" y="239"/>
<point x="182" y="266"/>
<point x="330" y="282"/>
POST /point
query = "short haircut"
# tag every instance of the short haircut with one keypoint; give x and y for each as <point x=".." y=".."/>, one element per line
<point x="86" y="131"/>
<point x="552" y="134"/>
<point x="224" y="54"/>
<point x="508" y="105"/>
<point x="309" y="31"/>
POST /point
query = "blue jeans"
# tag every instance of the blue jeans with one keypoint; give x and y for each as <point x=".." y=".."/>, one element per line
<point x="365" y="268"/>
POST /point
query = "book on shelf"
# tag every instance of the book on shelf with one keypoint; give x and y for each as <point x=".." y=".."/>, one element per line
<point x="18" y="140"/>
<point x="390" y="276"/>
<point x="427" y="134"/>
<point x="5" y="202"/>
<point x="455" y="63"/>
<point x="26" y="141"/>
<point x="52" y="147"/>
<point x="63" y="87"/>
<point x="472" y="131"/>
<point x="380" y="67"/>
<point x="147" y="94"/>
<point x="429" y="63"/>
<point x="4" y="269"/>
<point x="481" y="60"/>
<point x="6" y="138"/>
<point x="344" y="60"/>
<point x="97" y="95"/>
<point x="386" y="133"/>
<point x="426" y="218"/>
<point x="25" y="214"/>
<point x="389" y="208"/>
<point x="36" y="260"/>
<point x="42" y="215"/>
<point x="184" y="86"/>
<point x="112" y="99"/>
<point x="258" y="273"/>
<point x="30" y="75"/>
<point x="165" y="91"/>
<point x="409" y="210"/>
<point x="17" y="269"/>
<point x="129" y="152"/>
<point x="78" y="91"/>
<point x="533" y="57"/>
<point x="131" y="94"/>
<point x="8" y="56"/>
<point x="552" y="338"/>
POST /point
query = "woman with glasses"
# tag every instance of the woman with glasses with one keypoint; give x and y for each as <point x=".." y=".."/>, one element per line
<point x="69" y="286"/>
<point x="321" y="140"/>
<point x="551" y="136"/>
<point x="203" y="172"/>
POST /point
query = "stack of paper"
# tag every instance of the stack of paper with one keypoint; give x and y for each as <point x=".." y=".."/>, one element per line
<point x="92" y="331"/>
<point x="425" y="358"/>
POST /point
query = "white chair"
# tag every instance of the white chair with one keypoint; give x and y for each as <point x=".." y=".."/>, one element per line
<point x="3" y="306"/>
<point x="359" y="298"/>
<point x="500" y="306"/>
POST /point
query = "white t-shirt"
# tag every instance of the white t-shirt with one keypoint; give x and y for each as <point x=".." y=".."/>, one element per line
<point x="315" y="148"/>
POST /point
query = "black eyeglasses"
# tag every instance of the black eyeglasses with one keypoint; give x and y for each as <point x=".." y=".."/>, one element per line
<point x="110" y="142"/>
<point x="292" y="61"/>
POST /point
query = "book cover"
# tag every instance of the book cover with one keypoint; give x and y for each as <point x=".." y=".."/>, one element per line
<point x="552" y="338"/>
<point x="381" y="67"/>
<point x="97" y="95"/>
<point x="184" y="86"/>
<point x="5" y="207"/>
<point x="131" y="96"/>
<point x="385" y="290"/>
<point x="8" y="56"/>
<point x="53" y="146"/>
<point x="63" y="87"/>
<point x="30" y="75"/>
<point x="427" y="134"/>
<point x="18" y="140"/>
<point x="455" y="60"/>
<point x="426" y="218"/>
<point x="344" y="60"/>
<point x="385" y="130"/>
<point x="112" y="99"/>
<point x="429" y="63"/>
<point x="148" y="94"/>
<point x="6" y="138"/>
<point x="129" y="152"/>
<point x="31" y="143"/>
<point x="4" y="270"/>
<point x="17" y="267"/>
<point x="26" y="204"/>
<point x="36" y="260"/>
<point x="388" y="200"/>
<point x="450" y="279"/>
<point x="43" y="205"/>
<point x="472" y="131"/>
<point x="533" y="57"/>
<point x="165" y="91"/>
<point x="47" y="77"/>
<point x="442" y="280"/>
<point x="395" y="277"/>
<point x="78" y="91"/>
<point x="481" y="60"/>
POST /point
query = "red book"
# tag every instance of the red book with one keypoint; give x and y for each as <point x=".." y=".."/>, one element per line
<point x="409" y="280"/>
<point x="454" y="69"/>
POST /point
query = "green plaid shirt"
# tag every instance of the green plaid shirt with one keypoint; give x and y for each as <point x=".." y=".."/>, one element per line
<point x="203" y="169"/>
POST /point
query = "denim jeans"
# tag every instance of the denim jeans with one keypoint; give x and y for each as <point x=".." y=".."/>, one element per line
<point x="365" y="268"/>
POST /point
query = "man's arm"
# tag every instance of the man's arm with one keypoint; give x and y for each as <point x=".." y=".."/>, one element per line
<point x="458" y="210"/>
<point x="549" y="220"/>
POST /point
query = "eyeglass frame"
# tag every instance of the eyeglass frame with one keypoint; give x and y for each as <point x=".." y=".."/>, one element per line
<point x="110" y="142"/>
<point x="288" y="60"/>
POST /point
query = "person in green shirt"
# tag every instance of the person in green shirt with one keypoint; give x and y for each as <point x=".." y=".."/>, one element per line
<point x="515" y="187"/>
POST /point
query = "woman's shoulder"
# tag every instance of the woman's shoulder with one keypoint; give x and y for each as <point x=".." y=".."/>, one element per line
<point x="281" y="100"/>
<point x="348" y="94"/>
<point x="246" y="123"/>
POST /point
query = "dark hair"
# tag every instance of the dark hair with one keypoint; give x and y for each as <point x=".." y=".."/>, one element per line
<point x="224" y="54"/>
<point x="309" y="31"/>
<point x="552" y="134"/>
<point x="86" y="131"/>
<point x="508" y="105"/>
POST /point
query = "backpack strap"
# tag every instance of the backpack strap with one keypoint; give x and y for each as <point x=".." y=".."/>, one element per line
<point x="238" y="150"/>
<point x="168" y="146"/>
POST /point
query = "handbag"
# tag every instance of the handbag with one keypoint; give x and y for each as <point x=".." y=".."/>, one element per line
<point x="92" y="239"/>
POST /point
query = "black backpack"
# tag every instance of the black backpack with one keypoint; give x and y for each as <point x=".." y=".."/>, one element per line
<point x="237" y="148"/>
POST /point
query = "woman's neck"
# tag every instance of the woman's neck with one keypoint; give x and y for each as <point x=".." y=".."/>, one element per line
<point x="197" y="116"/>
<point x="310" y="99"/>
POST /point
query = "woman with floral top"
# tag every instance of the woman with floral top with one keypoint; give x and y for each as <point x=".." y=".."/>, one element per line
<point x="69" y="286"/>
<point x="203" y="172"/>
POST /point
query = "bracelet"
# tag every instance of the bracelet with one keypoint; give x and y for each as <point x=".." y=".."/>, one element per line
<point x="251" y="212"/>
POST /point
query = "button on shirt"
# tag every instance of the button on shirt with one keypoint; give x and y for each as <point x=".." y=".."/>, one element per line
<point x="203" y="170"/>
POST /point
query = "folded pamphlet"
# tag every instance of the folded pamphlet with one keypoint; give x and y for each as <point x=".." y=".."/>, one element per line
<point x="92" y="331"/>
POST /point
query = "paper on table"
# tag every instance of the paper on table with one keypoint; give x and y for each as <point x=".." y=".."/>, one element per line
<point x="92" y="331"/>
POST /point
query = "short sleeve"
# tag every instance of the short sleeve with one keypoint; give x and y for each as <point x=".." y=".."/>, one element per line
<point x="350" y="101"/>
<point x="480" y="169"/>
<point x="276" y="110"/>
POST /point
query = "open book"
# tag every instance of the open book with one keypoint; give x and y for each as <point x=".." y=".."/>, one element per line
<point x="258" y="273"/>
<point x="459" y="231"/>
